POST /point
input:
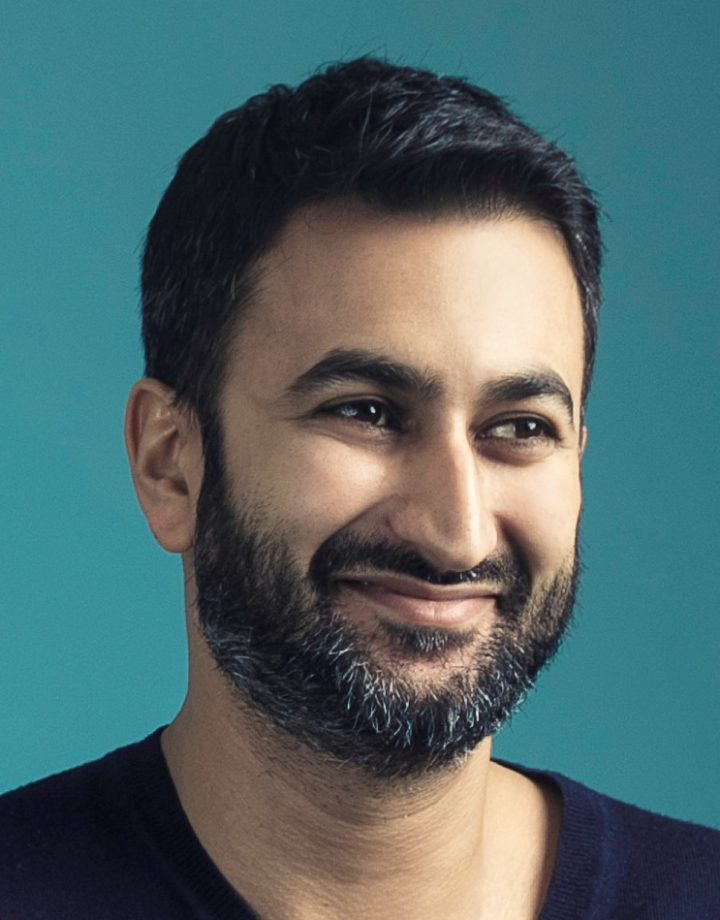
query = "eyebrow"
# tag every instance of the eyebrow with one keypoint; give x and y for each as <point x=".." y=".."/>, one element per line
<point x="544" y="383"/>
<point x="362" y="365"/>
<point x="344" y="364"/>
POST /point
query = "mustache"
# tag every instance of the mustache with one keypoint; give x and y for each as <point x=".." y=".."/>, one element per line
<point x="343" y="552"/>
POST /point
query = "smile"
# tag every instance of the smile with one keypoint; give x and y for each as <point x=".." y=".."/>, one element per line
<point x="410" y="602"/>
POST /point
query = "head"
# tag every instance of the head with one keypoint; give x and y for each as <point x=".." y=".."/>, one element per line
<point x="376" y="297"/>
<point x="397" y="140"/>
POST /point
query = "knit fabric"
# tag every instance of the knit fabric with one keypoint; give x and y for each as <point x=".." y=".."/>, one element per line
<point x="110" y="841"/>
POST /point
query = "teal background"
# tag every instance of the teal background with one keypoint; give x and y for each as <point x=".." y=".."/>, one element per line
<point x="99" y="101"/>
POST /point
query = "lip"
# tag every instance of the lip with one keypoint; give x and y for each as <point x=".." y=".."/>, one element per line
<point x="422" y="604"/>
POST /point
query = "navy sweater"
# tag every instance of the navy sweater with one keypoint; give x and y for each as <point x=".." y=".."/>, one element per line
<point x="110" y="841"/>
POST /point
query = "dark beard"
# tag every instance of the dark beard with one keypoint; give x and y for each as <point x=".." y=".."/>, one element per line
<point x="280" y="638"/>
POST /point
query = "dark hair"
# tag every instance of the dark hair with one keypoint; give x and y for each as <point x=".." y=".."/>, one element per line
<point x="397" y="139"/>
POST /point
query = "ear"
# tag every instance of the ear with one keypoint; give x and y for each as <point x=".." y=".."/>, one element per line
<point x="583" y="440"/>
<point x="165" y="452"/>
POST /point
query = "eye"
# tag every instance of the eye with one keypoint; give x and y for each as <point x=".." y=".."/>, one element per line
<point x="526" y="429"/>
<point x="374" y="413"/>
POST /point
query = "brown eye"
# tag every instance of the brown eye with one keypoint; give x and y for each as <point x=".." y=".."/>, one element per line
<point x="371" y="412"/>
<point x="521" y="429"/>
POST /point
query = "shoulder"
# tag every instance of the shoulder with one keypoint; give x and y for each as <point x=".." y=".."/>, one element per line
<point x="645" y="864"/>
<point x="34" y="817"/>
<point x="647" y="838"/>
<point x="69" y="806"/>
<point x="62" y="829"/>
<point x="623" y="861"/>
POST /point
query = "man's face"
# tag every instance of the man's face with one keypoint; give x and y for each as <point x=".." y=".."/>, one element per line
<point x="386" y="542"/>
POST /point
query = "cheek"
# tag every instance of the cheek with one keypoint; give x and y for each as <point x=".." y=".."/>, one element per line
<point x="315" y="488"/>
<point x="539" y="512"/>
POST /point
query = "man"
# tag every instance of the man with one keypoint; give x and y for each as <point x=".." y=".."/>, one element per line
<point x="369" y="316"/>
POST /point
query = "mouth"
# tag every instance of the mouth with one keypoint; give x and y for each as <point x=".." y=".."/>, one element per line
<point x="411" y="602"/>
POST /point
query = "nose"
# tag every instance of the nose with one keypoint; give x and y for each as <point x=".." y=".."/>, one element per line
<point x="441" y="508"/>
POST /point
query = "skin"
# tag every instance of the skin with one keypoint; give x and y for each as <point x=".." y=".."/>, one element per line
<point x="468" y="302"/>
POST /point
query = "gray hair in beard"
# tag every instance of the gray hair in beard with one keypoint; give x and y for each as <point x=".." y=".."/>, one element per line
<point x="278" y="636"/>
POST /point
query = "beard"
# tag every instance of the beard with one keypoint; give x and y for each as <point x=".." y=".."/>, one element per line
<point x="280" y="638"/>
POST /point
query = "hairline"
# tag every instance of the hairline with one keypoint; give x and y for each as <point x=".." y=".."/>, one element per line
<point x="246" y="284"/>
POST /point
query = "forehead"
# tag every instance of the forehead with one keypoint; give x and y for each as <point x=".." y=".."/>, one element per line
<point x="462" y="299"/>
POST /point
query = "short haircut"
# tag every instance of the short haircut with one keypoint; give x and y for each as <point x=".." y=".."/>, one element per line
<point x="400" y="140"/>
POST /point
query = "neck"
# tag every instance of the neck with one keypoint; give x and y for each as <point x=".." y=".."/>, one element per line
<point x="299" y="836"/>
